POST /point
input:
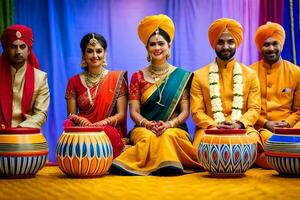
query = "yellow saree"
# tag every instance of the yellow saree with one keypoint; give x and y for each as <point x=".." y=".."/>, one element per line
<point x="170" y="153"/>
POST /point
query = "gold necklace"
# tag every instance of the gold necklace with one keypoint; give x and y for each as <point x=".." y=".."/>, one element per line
<point x="160" y="91"/>
<point x="93" y="79"/>
<point x="157" y="72"/>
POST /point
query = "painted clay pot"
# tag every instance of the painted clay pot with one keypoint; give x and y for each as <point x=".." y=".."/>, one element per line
<point x="226" y="152"/>
<point x="84" y="152"/>
<point x="283" y="151"/>
<point x="23" y="152"/>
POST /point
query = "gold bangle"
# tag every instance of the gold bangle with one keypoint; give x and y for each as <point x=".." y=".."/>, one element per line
<point x="112" y="121"/>
<point x="170" y="123"/>
<point x="141" y="122"/>
<point x="116" y="121"/>
<point x="147" y="124"/>
<point x="108" y="121"/>
<point x="176" y="122"/>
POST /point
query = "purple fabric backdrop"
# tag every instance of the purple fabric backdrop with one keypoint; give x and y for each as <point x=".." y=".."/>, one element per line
<point x="59" y="25"/>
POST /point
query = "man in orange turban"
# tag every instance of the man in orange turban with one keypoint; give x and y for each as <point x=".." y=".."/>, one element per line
<point x="279" y="84"/>
<point x="24" y="96"/>
<point x="225" y="94"/>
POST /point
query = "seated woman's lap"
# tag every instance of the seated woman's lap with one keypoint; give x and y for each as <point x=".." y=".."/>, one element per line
<point x="141" y="133"/>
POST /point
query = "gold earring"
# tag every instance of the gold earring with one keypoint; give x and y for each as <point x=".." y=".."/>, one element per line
<point x="104" y="63"/>
<point x="83" y="63"/>
<point x="168" y="55"/>
<point x="149" y="58"/>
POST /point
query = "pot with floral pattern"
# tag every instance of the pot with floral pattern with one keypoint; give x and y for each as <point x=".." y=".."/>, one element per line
<point x="283" y="151"/>
<point x="84" y="152"/>
<point x="226" y="152"/>
<point x="23" y="152"/>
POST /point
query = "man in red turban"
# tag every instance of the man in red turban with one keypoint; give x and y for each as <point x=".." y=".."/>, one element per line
<point x="279" y="84"/>
<point x="24" y="96"/>
<point x="225" y="94"/>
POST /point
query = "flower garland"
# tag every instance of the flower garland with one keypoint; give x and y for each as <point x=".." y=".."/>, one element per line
<point x="214" y="87"/>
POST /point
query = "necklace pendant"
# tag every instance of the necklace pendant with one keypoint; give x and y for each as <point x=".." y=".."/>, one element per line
<point x="160" y="104"/>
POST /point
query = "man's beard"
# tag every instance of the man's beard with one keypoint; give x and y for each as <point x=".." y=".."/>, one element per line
<point x="226" y="57"/>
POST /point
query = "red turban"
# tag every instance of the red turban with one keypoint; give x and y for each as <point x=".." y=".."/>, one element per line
<point x="19" y="32"/>
<point x="11" y="34"/>
<point x="267" y="30"/>
<point x="217" y="27"/>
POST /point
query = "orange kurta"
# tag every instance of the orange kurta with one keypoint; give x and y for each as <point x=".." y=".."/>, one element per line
<point x="201" y="102"/>
<point x="280" y="97"/>
<point x="280" y="92"/>
<point x="201" y="108"/>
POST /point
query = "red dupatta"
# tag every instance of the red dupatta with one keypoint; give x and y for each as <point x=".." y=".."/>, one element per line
<point x="6" y="94"/>
<point x="106" y="99"/>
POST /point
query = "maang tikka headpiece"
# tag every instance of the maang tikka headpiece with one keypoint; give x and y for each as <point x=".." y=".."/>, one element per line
<point x="93" y="41"/>
<point x="157" y="34"/>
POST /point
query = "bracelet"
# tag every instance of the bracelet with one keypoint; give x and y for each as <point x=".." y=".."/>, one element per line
<point x="107" y="121"/>
<point x="170" y="123"/>
<point x="113" y="121"/>
<point x="147" y="124"/>
<point x="176" y="122"/>
<point x="141" y="122"/>
<point x="116" y="121"/>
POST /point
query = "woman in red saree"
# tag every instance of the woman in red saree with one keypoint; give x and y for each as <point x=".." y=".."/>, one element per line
<point x="97" y="96"/>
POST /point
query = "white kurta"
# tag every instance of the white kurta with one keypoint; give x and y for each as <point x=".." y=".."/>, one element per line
<point x="40" y="100"/>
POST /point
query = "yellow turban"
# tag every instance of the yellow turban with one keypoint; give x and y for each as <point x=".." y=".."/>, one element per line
<point x="150" y="24"/>
<point x="217" y="27"/>
<point x="267" y="30"/>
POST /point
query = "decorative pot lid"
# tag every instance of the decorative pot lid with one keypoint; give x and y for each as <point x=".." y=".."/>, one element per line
<point x="19" y="130"/>
<point x="225" y="131"/>
<point x="288" y="131"/>
<point x="83" y="129"/>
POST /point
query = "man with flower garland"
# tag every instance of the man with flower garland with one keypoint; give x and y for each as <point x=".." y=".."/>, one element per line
<point x="225" y="94"/>
<point x="279" y="84"/>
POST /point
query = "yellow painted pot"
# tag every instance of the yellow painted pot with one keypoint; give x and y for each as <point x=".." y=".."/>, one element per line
<point x="84" y="152"/>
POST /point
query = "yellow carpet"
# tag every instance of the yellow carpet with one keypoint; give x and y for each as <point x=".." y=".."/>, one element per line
<point x="51" y="183"/>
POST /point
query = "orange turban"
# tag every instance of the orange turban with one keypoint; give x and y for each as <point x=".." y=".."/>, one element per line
<point x="150" y="24"/>
<point x="217" y="27"/>
<point x="267" y="30"/>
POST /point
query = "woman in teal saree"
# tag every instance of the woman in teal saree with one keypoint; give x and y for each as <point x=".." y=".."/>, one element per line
<point x="159" y="105"/>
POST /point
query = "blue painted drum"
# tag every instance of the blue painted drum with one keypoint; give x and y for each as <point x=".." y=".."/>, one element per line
<point x="84" y="152"/>
<point x="283" y="151"/>
<point x="226" y="153"/>
<point x="23" y="152"/>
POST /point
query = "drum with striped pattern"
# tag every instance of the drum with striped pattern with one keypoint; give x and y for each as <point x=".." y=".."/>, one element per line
<point x="84" y="152"/>
<point x="23" y="152"/>
<point x="283" y="151"/>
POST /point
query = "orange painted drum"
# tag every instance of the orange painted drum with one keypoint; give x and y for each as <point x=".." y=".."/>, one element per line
<point x="283" y="151"/>
<point x="23" y="152"/>
<point x="226" y="152"/>
<point x="84" y="152"/>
